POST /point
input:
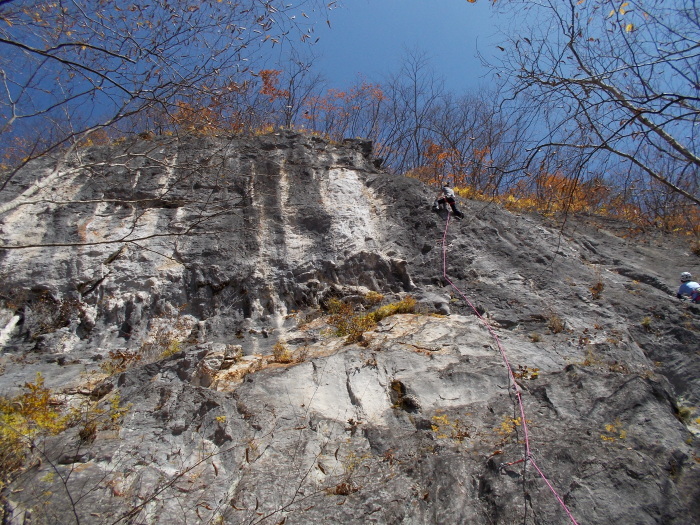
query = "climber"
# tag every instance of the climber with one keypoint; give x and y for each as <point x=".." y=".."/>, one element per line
<point x="689" y="288"/>
<point x="447" y="196"/>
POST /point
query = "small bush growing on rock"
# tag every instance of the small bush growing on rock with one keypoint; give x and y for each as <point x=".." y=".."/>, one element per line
<point x="302" y="354"/>
<point x="344" y="488"/>
<point x="337" y="307"/>
<point x="374" y="298"/>
<point x="614" y="431"/>
<point x="281" y="353"/>
<point x="685" y="414"/>
<point x="88" y="432"/>
<point x="446" y="428"/>
<point x="23" y="419"/>
<point x="346" y="323"/>
<point x="405" y="306"/>
<point x="353" y="326"/>
<point x="508" y="427"/>
<point x="597" y="289"/>
<point x="34" y="414"/>
<point x="357" y="326"/>
<point x="119" y="361"/>
<point x="555" y="324"/>
<point x="173" y="348"/>
<point x="591" y="359"/>
<point x="526" y="372"/>
<point x="116" y="411"/>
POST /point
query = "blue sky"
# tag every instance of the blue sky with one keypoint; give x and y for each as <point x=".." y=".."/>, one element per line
<point x="370" y="37"/>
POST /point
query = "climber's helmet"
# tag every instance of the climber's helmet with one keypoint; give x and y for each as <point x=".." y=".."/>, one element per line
<point x="685" y="277"/>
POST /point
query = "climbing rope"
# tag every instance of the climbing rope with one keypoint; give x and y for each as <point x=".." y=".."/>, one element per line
<point x="513" y="383"/>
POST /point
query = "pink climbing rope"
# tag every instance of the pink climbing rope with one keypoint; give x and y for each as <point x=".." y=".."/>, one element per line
<point x="514" y="384"/>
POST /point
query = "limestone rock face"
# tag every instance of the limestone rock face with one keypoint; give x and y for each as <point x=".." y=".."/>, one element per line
<point x="182" y="315"/>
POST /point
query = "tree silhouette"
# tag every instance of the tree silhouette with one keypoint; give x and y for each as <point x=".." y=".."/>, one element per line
<point x="609" y="83"/>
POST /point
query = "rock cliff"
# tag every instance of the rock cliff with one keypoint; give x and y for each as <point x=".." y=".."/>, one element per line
<point x="181" y="319"/>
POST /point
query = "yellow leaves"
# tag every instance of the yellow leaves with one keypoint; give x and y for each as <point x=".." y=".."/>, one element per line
<point x="116" y="411"/>
<point x="373" y="297"/>
<point x="32" y="411"/>
<point x="508" y="426"/>
<point x="629" y="27"/>
<point x="48" y="477"/>
<point x="613" y="432"/>
<point x="621" y="11"/>
<point x="281" y="353"/>
<point x="526" y="372"/>
<point x="445" y="428"/>
<point x="24" y="417"/>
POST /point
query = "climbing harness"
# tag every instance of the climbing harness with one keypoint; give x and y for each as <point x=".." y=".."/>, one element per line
<point x="527" y="456"/>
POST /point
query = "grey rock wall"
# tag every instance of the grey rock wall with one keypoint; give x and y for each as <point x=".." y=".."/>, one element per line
<point x="229" y="249"/>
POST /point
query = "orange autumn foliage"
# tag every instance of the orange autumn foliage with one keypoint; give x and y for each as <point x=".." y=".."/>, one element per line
<point x="270" y="80"/>
<point x="197" y="119"/>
